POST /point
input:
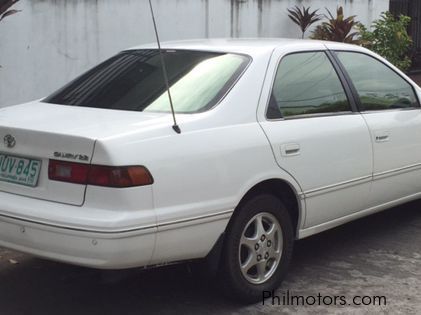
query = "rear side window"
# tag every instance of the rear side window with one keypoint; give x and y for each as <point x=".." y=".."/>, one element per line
<point x="133" y="80"/>
<point x="378" y="86"/>
<point x="306" y="84"/>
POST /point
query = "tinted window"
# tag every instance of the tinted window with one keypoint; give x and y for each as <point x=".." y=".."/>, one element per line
<point x="133" y="80"/>
<point x="306" y="83"/>
<point x="378" y="86"/>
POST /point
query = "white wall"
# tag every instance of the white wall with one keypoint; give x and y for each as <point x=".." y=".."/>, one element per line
<point x="52" y="41"/>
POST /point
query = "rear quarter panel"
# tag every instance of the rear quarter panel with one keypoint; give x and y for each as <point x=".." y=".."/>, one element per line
<point x="201" y="175"/>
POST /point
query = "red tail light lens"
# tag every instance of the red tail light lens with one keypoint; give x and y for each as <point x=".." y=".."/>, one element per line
<point x="76" y="173"/>
<point x="127" y="176"/>
<point x="99" y="175"/>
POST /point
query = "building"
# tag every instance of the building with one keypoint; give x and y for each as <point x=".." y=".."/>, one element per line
<point x="50" y="42"/>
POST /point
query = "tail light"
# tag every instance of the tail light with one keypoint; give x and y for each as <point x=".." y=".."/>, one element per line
<point x="99" y="175"/>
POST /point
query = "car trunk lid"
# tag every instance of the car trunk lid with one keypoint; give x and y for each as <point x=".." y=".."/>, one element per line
<point x="34" y="133"/>
<point x="24" y="167"/>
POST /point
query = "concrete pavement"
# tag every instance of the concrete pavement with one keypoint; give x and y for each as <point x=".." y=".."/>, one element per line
<point x="376" y="256"/>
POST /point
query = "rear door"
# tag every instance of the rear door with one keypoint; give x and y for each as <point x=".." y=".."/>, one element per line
<point x="316" y="134"/>
<point x="390" y="106"/>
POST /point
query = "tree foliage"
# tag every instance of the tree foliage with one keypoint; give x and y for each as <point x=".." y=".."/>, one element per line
<point x="303" y="17"/>
<point x="338" y="29"/>
<point x="389" y="38"/>
<point x="4" y="8"/>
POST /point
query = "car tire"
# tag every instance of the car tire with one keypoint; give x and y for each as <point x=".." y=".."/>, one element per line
<point x="257" y="248"/>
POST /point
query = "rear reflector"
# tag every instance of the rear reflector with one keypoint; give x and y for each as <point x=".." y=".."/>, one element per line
<point x="99" y="175"/>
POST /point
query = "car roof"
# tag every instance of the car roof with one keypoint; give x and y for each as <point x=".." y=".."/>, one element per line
<point x="248" y="46"/>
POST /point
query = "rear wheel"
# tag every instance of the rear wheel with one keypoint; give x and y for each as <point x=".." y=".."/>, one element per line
<point x="257" y="248"/>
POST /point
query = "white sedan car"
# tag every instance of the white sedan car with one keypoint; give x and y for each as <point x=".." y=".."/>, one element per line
<point x="280" y="139"/>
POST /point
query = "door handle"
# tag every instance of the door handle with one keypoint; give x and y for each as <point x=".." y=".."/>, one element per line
<point x="382" y="136"/>
<point x="290" y="149"/>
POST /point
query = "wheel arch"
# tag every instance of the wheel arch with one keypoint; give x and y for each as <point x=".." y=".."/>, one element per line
<point x="285" y="191"/>
<point x="280" y="188"/>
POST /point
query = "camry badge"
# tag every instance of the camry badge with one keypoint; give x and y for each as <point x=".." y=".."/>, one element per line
<point x="9" y="141"/>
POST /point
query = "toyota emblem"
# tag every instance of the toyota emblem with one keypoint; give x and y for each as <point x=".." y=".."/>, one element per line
<point x="9" y="141"/>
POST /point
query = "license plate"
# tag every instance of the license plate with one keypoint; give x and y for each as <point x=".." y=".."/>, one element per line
<point x="19" y="170"/>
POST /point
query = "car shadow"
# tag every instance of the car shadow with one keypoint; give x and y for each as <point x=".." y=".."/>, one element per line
<point x="36" y="286"/>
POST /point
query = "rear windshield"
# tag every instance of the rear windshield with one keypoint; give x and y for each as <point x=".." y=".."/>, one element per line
<point x="133" y="80"/>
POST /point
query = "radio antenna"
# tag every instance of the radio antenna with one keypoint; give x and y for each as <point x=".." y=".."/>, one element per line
<point x="164" y="71"/>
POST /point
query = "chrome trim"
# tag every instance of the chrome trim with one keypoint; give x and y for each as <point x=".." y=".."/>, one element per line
<point x="380" y="111"/>
<point x="179" y="221"/>
<point x="308" y="231"/>
<point x="327" y="114"/>
<point x="69" y="228"/>
<point x="121" y="231"/>
<point x="396" y="171"/>
<point x="359" y="180"/>
<point x="338" y="186"/>
<point x="305" y="116"/>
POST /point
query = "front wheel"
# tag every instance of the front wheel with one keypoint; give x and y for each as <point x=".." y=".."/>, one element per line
<point x="257" y="248"/>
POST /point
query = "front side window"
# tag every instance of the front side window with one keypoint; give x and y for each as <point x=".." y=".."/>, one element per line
<point x="133" y="80"/>
<point x="306" y="84"/>
<point x="378" y="86"/>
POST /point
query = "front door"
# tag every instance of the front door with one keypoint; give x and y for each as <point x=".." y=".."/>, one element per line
<point x="389" y="105"/>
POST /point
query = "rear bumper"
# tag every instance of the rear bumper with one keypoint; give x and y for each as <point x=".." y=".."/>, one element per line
<point x="91" y="235"/>
<point x="114" y="250"/>
<point x="113" y="238"/>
